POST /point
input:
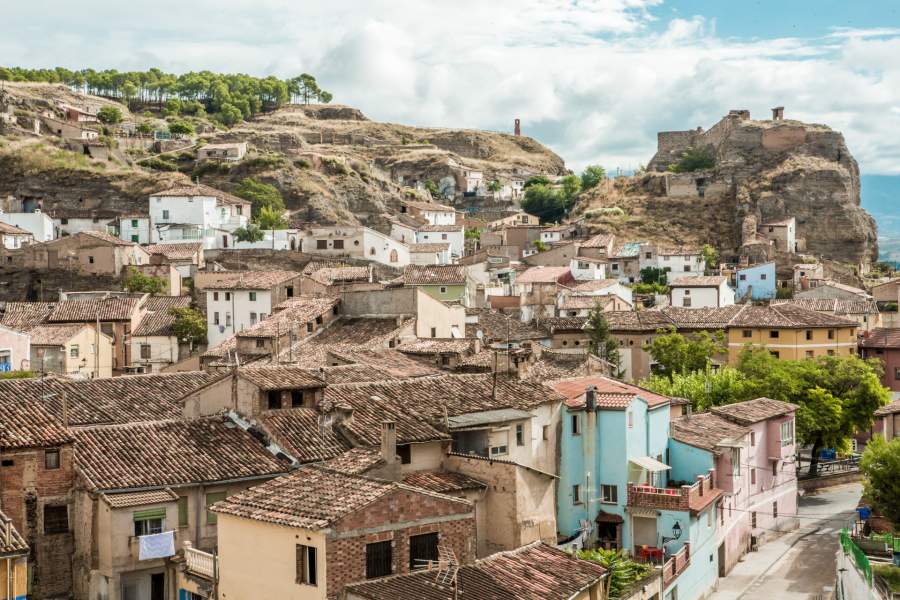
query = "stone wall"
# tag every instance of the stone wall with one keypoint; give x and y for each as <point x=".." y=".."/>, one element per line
<point x="669" y="145"/>
<point x="37" y="285"/>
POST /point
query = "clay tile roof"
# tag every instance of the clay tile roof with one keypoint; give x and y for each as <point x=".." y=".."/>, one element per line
<point x="55" y="335"/>
<point x="313" y="498"/>
<point x="432" y="247"/>
<point x="787" y="316"/>
<point x="844" y="287"/>
<point x="280" y="377"/>
<point x="432" y="275"/>
<point x="178" y="452"/>
<point x="703" y="318"/>
<point x="114" y="399"/>
<point x="184" y="251"/>
<point x="8" y="229"/>
<point x="533" y="572"/>
<point x="129" y="499"/>
<point x="428" y="206"/>
<point x="678" y="251"/>
<point x="293" y="315"/>
<point x="437" y="346"/>
<point x="578" y="302"/>
<point x="158" y="320"/>
<point x="699" y="281"/>
<point x="356" y="461"/>
<point x="251" y="280"/>
<point x="88" y="311"/>
<point x="637" y="320"/>
<point x="555" y="366"/>
<point x="201" y="190"/>
<point x="555" y="324"/>
<point x="705" y="430"/>
<point x="601" y="240"/>
<point x="594" y="285"/>
<point x="27" y="423"/>
<point x="442" y="482"/>
<point x="16" y="544"/>
<point x="888" y="409"/>
<point x="833" y="305"/>
<point x="105" y="237"/>
<point x="495" y="326"/>
<point x="754" y="411"/>
<point x="23" y="316"/>
<point x="611" y="393"/>
<point x="545" y="275"/>
<point x="882" y="337"/>
<point x="332" y="275"/>
<point x="313" y="266"/>
<point x="300" y="433"/>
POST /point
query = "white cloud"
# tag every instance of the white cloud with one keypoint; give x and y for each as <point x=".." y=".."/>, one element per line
<point x="594" y="79"/>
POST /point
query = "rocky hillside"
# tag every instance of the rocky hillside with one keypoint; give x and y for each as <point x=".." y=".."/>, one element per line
<point x="331" y="163"/>
<point x="764" y="171"/>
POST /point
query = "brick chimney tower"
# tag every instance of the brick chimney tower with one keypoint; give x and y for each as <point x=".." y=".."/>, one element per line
<point x="778" y="113"/>
<point x="518" y="129"/>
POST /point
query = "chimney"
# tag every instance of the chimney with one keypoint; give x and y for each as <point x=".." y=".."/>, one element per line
<point x="778" y="113"/>
<point x="590" y="398"/>
<point x="389" y="441"/>
<point x="518" y="128"/>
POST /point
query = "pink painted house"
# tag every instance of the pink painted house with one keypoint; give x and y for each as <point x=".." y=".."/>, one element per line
<point x="15" y="350"/>
<point x="751" y="446"/>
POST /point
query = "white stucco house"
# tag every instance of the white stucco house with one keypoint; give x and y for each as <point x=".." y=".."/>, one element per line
<point x="197" y="213"/>
<point x="701" y="292"/>
<point x="37" y="223"/>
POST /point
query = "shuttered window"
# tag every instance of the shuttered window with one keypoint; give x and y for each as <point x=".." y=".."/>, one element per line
<point x="211" y="517"/>
<point x="422" y="548"/>
<point x="378" y="559"/>
<point x="306" y="565"/>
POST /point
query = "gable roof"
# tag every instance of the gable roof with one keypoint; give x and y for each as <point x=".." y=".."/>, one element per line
<point x="280" y="377"/>
<point x="299" y="432"/>
<point x="16" y="544"/>
<point x="787" y="316"/>
<point x="7" y="229"/>
<point x="200" y="190"/>
<point x="88" y="311"/>
<point x="533" y="572"/>
<point x="170" y="453"/>
<point x="881" y="337"/>
<point x="601" y="240"/>
<point x="705" y="430"/>
<point x="250" y="280"/>
<point x="55" y="335"/>
<point x="754" y="411"/>
<point x="833" y="305"/>
<point x="23" y="316"/>
<point x="611" y="393"/>
<point x="545" y="275"/>
<point x="888" y="409"/>
<point x="699" y="281"/>
<point x="158" y="320"/>
<point x="332" y="275"/>
<point x="27" y="423"/>
<point x="433" y="274"/>
<point x="184" y="251"/>
<point x="442" y="482"/>
<point x="496" y="325"/>
<point x="314" y="498"/>
<point x="102" y="236"/>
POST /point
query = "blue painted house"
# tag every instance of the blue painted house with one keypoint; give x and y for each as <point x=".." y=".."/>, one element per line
<point x="620" y="487"/>
<point x="757" y="282"/>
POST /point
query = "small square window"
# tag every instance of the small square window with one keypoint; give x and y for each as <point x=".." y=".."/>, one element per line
<point x="56" y="519"/>
<point x="774" y="333"/>
<point x="91" y="259"/>
<point x="762" y="276"/>
<point x="576" y="425"/>
<point x="252" y="296"/>
<point x="576" y="494"/>
<point x="609" y="494"/>
<point x="321" y="244"/>
<point x="227" y="296"/>
<point x="747" y="333"/>
<point x="809" y="334"/>
<point x="73" y="351"/>
<point x="51" y="459"/>
<point x="520" y="435"/>
<point x="742" y="277"/>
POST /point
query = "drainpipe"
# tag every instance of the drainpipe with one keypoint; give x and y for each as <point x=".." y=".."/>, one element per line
<point x="590" y="440"/>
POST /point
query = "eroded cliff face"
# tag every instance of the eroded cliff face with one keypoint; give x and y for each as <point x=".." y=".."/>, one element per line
<point x="767" y="170"/>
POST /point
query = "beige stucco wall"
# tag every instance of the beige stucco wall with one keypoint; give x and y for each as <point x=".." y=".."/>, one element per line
<point x="431" y="312"/>
<point x="791" y="344"/>
<point x="273" y="553"/>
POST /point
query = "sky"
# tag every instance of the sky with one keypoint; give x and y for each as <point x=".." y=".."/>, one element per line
<point x="593" y="79"/>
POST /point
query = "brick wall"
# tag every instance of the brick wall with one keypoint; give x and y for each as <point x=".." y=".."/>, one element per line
<point x="397" y="517"/>
<point x="25" y="488"/>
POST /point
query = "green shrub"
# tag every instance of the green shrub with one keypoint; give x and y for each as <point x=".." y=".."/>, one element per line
<point x="694" y="159"/>
<point x="158" y="163"/>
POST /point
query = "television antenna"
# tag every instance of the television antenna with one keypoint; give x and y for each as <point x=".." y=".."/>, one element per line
<point x="447" y="568"/>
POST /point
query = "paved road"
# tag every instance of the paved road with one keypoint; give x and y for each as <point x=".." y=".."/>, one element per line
<point x="800" y="565"/>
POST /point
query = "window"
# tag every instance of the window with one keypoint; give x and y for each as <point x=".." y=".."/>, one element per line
<point x="774" y="468"/>
<point x="64" y="221"/>
<point x="747" y="333"/>
<point x="443" y="289"/>
<point x="165" y="215"/>
<point x="309" y="327"/>
<point x="831" y="334"/>
<point x="227" y="296"/>
<point x="289" y="291"/>
<point x="687" y="292"/>
<point x="742" y="277"/>
<point x="687" y="268"/>
<point x="775" y="509"/>
<point x="73" y="351"/>
<point x="149" y="522"/>
<point x="91" y="259"/>
<point x="648" y="255"/>
<point x="630" y="419"/>
<point x="443" y="236"/>
<point x="306" y="565"/>
<point x="423" y="549"/>
<point x="753" y="520"/>
<point x="434" y="332"/>
<point x="831" y="353"/>
<point x="576" y="425"/>
<point x="212" y="498"/>
<point x="253" y="318"/>
<point x="520" y="435"/>
<point x="378" y="560"/>
<point x="182" y="511"/>
<point x="7" y="462"/>
<point x="273" y="399"/>
<point x="809" y="354"/>
<point x="752" y="476"/>
<point x="787" y="433"/>
<point x="216" y="296"/>
<point x="404" y="451"/>
<point x="609" y="493"/>
<point x="145" y="351"/>
<point x="51" y="459"/>
<point x="239" y="209"/>
<point x="321" y="244"/>
<point x="252" y="296"/>
<point x="499" y="450"/>
<point x="576" y="494"/>
<point x="686" y="302"/>
<point x="227" y="319"/>
<point x="774" y="333"/>
<point x="762" y="276"/>
<point x="134" y="223"/>
<point x="260" y="343"/>
<point x="319" y="320"/>
<point x="775" y="353"/>
<point x="215" y="318"/>
<point x="752" y="438"/>
<point x="615" y="266"/>
<point x="735" y="462"/>
<point x="897" y="373"/>
<point x="545" y="432"/>
<point x="338" y="244"/>
<point x="135" y="238"/>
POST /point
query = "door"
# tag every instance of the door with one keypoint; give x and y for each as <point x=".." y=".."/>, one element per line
<point x="158" y="586"/>
<point x="52" y="259"/>
<point x="722" y="559"/>
<point x="224" y="241"/>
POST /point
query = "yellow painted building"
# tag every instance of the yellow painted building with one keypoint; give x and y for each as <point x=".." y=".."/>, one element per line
<point x="13" y="562"/>
<point x="790" y="333"/>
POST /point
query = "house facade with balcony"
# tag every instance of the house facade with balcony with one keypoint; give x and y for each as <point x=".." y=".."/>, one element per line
<point x="195" y="213"/>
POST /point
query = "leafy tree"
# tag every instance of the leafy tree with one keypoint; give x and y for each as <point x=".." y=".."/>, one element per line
<point x="880" y="465"/>
<point x="432" y="188"/>
<point x="703" y="388"/>
<point x="710" y="256"/>
<point x="230" y="114"/>
<point x="189" y="325"/>
<point x="261" y="195"/>
<point x="144" y="127"/>
<point x="571" y="186"/>
<point x="543" y="202"/>
<point x="694" y="159"/>
<point x="536" y="180"/>
<point x="181" y="127"/>
<point x="649" y="288"/>
<point x="473" y="234"/>
<point x="269" y="218"/>
<point x="655" y="275"/>
<point x="592" y="176"/>
<point x="251" y="233"/>
<point x="622" y="571"/>
<point x="540" y="246"/>
<point x="109" y="115"/>
<point x="676" y="353"/>
<point x="494" y="186"/>
<point x="601" y="343"/>
<point x="138" y="283"/>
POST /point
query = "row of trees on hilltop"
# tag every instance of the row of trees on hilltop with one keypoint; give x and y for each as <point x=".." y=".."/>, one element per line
<point x="230" y="96"/>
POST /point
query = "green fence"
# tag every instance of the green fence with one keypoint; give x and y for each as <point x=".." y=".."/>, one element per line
<point x="891" y="541"/>
<point x="859" y="557"/>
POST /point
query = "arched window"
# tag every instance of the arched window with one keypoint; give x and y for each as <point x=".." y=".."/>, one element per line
<point x="372" y="251"/>
<point x="393" y="256"/>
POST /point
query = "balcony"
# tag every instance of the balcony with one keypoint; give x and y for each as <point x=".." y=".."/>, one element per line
<point x="676" y="564"/>
<point x="200" y="563"/>
<point x="134" y="547"/>
<point x="684" y="498"/>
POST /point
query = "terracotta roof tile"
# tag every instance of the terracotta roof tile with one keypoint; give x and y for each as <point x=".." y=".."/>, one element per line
<point x="611" y="393"/>
<point x="184" y="251"/>
<point x="355" y="461"/>
<point x="158" y="320"/>
<point x="601" y="240"/>
<point x="545" y="275"/>
<point x="495" y="326"/>
<point x="170" y="453"/>
<point x="6" y="228"/>
<point x="437" y="346"/>
<point x="105" y="237"/>
<point x="705" y="430"/>
<point x="280" y="377"/>
<point x="699" y="281"/>
<point x="299" y="432"/>
<point x="313" y="498"/>
<point x="787" y="316"/>
<point x="833" y="305"/>
<point x="88" y="311"/>
<point x="881" y="337"/>
<point x="593" y="285"/>
<point x="16" y="544"/>
<point x="129" y="499"/>
<point x="754" y="411"/>
<point x="55" y="335"/>
<point x="431" y="275"/>
<point x="23" y="316"/>
<point x="27" y="423"/>
<point x="201" y="190"/>
<point x="332" y="275"/>
<point x="433" y="247"/>
<point x="888" y="409"/>
<point x="292" y="315"/>
<point x="251" y="280"/>
<point x="533" y="572"/>
<point x="442" y="482"/>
